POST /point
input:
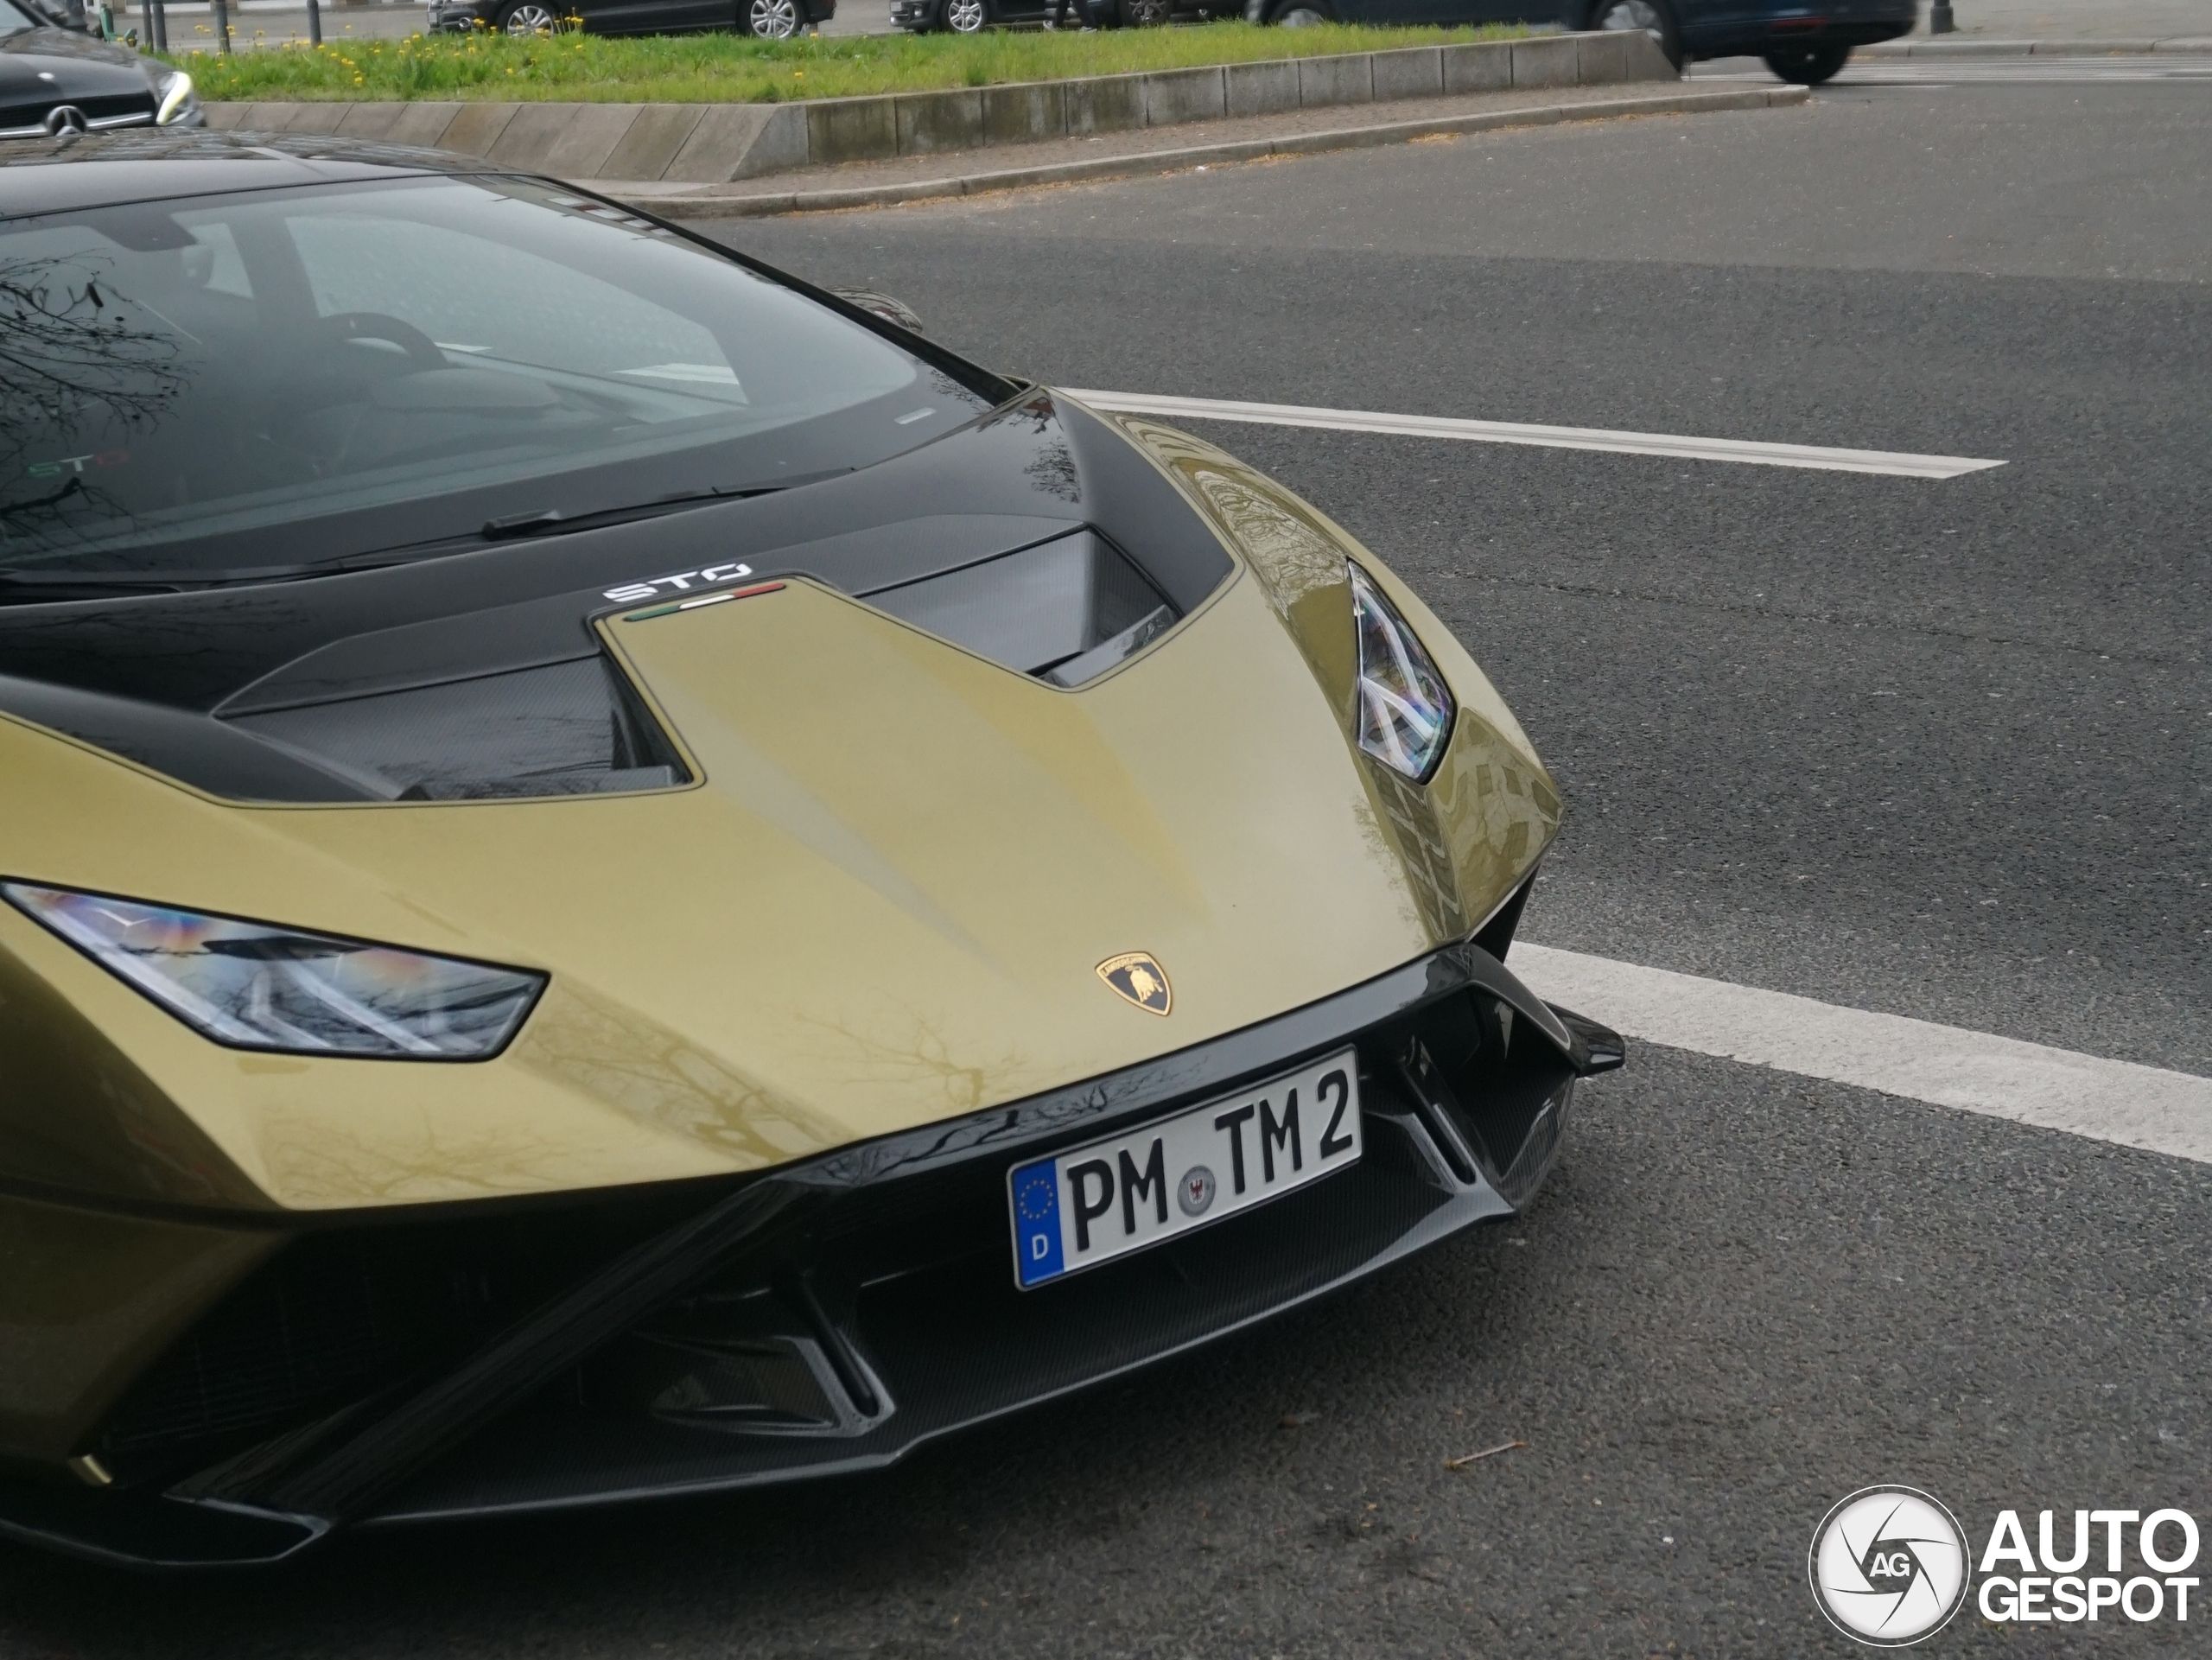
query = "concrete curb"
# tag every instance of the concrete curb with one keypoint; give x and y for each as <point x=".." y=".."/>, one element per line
<point x="1169" y="161"/>
<point x="714" y="144"/>
<point x="1948" y="48"/>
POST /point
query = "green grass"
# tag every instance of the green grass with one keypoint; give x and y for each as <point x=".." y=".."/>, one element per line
<point x="735" y="69"/>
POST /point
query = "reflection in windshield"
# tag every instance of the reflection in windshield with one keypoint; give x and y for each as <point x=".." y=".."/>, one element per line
<point x="187" y="386"/>
<point x="73" y="361"/>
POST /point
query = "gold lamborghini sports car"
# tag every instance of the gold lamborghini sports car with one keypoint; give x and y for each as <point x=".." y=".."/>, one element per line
<point x="618" y="876"/>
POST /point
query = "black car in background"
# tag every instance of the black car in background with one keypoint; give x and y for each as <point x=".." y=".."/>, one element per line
<point x="56" y="80"/>
<point x="1800" y="42"/>
<point x="771" y="20"/>
<point x="967" y="16"/>
<point x="1803" y="42"/>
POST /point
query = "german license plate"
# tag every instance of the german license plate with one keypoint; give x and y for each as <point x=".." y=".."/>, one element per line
<point x="1078" y="1209"/>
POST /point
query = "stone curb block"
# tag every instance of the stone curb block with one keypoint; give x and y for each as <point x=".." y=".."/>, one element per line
<point x="1261" y="88"/>
<point x="1547" y="60"/>
<point x="716" y="144"/>
<point x="1309" y="143"/>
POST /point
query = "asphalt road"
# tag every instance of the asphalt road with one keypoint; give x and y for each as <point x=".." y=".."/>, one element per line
<point x="1942" y="748"/>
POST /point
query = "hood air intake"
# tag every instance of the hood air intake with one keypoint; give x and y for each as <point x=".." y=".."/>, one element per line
<point x="562" y="730"/>
<point x="1065" y="610"/>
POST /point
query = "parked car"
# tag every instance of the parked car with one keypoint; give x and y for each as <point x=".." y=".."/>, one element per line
<point x="56" y="80"/>
<point x="1293" y="13"/>
<point x="1799" y="43"/>
<point x="771" y="20"/>
<point x="966" y="16"/>
<point x="619" y="877"/>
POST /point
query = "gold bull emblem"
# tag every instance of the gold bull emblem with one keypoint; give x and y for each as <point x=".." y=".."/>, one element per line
<point x="1138" y="978"/>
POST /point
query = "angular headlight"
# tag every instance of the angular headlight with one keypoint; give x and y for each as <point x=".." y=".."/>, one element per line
<point x="252" y="986"/>
<point x="177" y="99"/>
<point x="1405" y="713"/>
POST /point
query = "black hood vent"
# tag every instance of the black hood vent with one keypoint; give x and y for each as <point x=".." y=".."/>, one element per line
<point x="565" y="729"/>
<point x="1066" y="610"/>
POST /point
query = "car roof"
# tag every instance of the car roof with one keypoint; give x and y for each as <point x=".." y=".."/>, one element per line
<point x="105" y="170"/>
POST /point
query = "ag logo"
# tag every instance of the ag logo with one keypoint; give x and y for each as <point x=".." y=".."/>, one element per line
<point x="1139" y="977"/>
<point x="1888" y="1566"/>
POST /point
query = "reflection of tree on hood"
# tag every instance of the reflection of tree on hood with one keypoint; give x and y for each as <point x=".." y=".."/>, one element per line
<point x="78" y="362"/>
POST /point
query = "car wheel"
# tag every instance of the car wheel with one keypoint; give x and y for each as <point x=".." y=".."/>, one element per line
<point x="964" y="16"/>
<point x="1807" y="65"/>
<point x="529" y="17"/>
<point x="1653" y="17"/>
<point x="1144" y="14"/>
<point x="1297" y="14"/>
<point x="771" y="20"/>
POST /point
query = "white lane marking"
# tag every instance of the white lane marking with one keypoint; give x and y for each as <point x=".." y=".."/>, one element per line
<point x="2113" y="1101"/>
<point x="1513" y="432"/>
<point x="1880" y="71"/>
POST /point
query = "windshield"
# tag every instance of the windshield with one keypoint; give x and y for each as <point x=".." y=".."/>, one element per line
<point x="307" y="375"/>
<point x="13" y="21"/>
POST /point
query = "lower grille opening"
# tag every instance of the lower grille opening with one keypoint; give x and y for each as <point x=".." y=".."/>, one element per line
<point x="337" y="1317"/>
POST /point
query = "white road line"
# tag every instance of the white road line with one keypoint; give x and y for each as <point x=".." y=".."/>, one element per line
<point x="1513" y="432"/>
<point x="2084" y="1095"/>
<point x="1881" y="72"/>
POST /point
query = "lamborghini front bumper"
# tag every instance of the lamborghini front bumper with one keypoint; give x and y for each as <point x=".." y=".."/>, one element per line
<point x="824" y="1317"/>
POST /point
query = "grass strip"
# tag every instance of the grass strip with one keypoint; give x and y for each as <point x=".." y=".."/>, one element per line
<point x="737" y="69"/>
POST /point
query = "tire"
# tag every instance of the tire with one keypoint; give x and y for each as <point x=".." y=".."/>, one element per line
<point x="529" y="17"/>
<point x="1144" y="14"/>
<point x="1807" y="65"/>
<point x="1300" y="14"/>
<point x="1655" y="17"/>
<point x="769" y="19"/>
<point x="964" y="16"/>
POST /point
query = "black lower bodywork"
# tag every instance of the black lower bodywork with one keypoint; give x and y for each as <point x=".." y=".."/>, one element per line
<point x="823" y="1317"/>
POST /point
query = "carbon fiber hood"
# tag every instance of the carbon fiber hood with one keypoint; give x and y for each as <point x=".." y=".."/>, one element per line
<point x="207" y="687"/>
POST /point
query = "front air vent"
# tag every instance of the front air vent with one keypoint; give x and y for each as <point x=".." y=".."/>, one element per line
<point x="1065" y="610"/>
<point x="562" y="729"/>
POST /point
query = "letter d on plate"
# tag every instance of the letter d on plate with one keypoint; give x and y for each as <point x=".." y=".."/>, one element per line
<point x="1037" y="1223"/>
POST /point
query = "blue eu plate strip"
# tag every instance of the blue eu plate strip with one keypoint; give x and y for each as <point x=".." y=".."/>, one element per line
<point x="1037" y="1223"/>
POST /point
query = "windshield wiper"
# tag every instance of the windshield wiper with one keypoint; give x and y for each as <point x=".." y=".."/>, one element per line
<point x="551" y="521"/>
<point x="40" y="586"/>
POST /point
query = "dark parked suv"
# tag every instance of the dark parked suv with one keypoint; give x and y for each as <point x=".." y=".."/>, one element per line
<point x="773" y="20"/>
<point x="966" y="16"/>
<point x="1801" y="41"/>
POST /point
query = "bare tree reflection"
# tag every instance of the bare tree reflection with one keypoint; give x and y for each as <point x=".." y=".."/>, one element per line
<point x="84" y="366"/>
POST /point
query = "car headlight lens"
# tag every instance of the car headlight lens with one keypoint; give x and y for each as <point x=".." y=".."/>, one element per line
<point x="252" y="986"/>
<point x="1405" y="713"/>
<point x="177" y="99"/>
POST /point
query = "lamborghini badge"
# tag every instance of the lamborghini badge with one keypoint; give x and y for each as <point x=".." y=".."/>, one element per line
<point x="1137" y="977"/>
